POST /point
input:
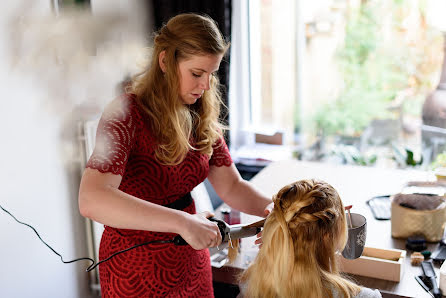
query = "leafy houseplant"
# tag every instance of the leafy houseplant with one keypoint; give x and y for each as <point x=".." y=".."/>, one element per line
<point x="351" y="155"/>
<point x="405" y="157"/>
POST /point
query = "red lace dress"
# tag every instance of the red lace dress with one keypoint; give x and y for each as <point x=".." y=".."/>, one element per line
<point x="125" y="146"/>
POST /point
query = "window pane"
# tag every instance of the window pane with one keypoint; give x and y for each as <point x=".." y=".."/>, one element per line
<point x="367" y="67"/>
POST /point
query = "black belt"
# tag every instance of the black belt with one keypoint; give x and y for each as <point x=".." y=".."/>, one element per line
<point x="181" y="203"/>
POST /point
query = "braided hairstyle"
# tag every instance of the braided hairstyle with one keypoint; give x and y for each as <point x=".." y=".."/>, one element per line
<point x="301" y="237"/>
<point x="173" y="123"/>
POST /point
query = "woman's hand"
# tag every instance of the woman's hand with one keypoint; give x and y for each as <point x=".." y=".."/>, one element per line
<point x="199" y="232"/>
<point x="267" y="211"/>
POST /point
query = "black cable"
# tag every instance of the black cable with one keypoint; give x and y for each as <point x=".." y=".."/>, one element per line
<point x="92" y="265"/>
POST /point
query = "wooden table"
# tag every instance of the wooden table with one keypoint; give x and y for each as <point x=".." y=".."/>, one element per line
<point x="355" y="185"/>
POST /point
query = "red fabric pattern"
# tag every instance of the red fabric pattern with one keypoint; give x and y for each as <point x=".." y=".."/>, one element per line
<point x="221" y="156"/>
<point x="125" y="146"/>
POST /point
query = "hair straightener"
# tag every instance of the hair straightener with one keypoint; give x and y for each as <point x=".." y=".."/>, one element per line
<point x="230" y="232"/>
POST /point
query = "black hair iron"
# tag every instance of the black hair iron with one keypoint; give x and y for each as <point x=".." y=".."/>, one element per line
<point x="230" y="232"/>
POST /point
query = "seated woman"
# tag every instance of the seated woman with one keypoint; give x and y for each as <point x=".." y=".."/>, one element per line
<point x="301" y="238"/>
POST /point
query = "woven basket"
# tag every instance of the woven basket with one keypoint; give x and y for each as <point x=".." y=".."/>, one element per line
<point x="429" y="222"/>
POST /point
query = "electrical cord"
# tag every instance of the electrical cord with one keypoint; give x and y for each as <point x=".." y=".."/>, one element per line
<point x="93" y="264"/>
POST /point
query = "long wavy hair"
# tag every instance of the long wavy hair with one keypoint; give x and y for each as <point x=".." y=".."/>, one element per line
<point x="301" y="237"/>
<point x="177" y="127"/>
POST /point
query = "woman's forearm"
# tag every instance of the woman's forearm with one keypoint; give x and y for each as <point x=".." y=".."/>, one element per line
<point x="101" y="200"/>
<point x="112" y="207"/>
<point x="245" y="197"/>
<point x="236" y="192"/>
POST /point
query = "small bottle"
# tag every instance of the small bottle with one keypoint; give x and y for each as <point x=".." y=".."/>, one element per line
<point x="226" y="213"/>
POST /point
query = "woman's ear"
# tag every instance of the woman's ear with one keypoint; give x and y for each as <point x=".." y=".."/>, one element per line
<point x="161" y="60"/>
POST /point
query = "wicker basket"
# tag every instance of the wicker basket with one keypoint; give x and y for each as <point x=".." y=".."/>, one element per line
<point x="425" y="215"/>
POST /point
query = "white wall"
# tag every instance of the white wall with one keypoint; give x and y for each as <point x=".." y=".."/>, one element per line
<point x="47" y="85"/>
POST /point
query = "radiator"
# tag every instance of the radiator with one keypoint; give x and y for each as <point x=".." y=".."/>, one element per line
<point x="87" y="136"/>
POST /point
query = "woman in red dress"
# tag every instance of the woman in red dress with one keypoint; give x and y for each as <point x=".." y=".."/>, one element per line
<point x="153" y="146"/>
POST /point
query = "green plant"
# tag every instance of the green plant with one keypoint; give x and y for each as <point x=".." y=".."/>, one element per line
<point x="405" y="157"/>
<point x="351" y="155"/>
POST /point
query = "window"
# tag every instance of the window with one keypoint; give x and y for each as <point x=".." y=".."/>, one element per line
<point x="344" y="80"/>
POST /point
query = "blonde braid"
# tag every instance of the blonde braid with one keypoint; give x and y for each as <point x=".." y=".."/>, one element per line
<point x="300" y="239"/>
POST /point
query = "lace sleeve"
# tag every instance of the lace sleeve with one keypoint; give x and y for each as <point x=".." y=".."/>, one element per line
<point x="220" y="156"/>
<point x="114" y="138"/>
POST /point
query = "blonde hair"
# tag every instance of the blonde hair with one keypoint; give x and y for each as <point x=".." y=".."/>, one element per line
<point x="300" y="238"/>
<point x="179" y="128"/>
